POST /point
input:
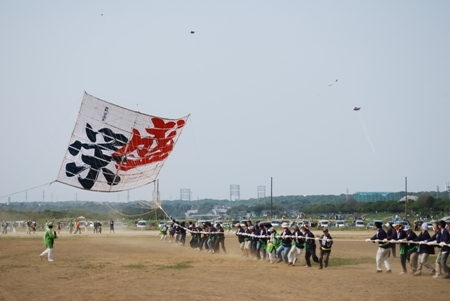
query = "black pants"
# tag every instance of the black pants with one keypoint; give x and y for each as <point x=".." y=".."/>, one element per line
<point x="311" y="252"/>
<point x="393" y="250"/>
<point x="194" y="242"/>
<point x="220" y="241"/>
<point x="324" y="257"/>
<point x="403" y="258"/>
<point x="253" y="247"/>
<point x="202" y="241"/>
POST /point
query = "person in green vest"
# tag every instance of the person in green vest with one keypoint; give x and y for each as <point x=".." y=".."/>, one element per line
<point x="49" y="238"/>
<point x="163" y="232"/>
<point x="274" y="243"/>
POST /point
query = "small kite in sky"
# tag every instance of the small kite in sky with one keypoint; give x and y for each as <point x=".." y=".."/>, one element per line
<point x="332" y="84"/>
<point x="192" y="32"/>
<point x="356" y="108"/>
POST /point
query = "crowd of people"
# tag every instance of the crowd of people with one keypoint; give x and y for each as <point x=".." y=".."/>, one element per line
<point x="259" y="242"/>
<point x="203" y="236"/>
<point x="264" y="242"/>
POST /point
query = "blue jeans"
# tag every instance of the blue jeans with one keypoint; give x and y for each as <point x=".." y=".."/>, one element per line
<point x="286" y="250"/>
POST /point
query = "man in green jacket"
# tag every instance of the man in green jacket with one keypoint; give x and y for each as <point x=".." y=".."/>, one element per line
<point x="49" y="238"/>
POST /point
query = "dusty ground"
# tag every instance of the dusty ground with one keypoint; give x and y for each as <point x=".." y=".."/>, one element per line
<point x="136" y="265"/>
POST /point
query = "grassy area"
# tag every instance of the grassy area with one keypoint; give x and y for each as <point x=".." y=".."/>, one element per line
<point x="177" y="266"/>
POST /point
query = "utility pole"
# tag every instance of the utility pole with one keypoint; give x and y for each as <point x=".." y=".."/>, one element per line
<point x="271" y="187"/>
<point x="406" y="197"/>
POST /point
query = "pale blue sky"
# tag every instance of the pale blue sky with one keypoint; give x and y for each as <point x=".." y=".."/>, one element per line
<point x="255" y="78"/>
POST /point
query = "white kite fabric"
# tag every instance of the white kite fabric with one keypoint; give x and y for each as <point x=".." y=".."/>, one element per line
<point x="115" y="149"/>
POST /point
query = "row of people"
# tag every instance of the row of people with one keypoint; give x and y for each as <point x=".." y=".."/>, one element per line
<point x="263" y="241"/>
<point x="203" y="236"/>
<point x="259" y="241"/>
<point x="414" y="248"/>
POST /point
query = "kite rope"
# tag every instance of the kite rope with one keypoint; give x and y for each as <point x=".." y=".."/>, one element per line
<point x="14" y="193"/>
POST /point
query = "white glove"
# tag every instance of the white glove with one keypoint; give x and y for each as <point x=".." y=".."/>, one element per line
<point x="385" y="240"/>
<point x="442" y="244"/>
<point x="368" y="239"/>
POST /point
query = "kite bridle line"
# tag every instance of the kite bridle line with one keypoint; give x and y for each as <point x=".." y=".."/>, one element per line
<point x="156" y="199"/>
<point x="128" y="215"/>
<point x="14" y="193"/>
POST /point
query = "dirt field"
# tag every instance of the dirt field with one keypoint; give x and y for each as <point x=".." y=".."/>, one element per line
<point x="136" y="265"/>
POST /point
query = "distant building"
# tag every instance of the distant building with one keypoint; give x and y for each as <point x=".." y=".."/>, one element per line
<point x="235" y="193"/>
<point x="376" y="196"/>
<point x="185" y="194"/>
<point x="261" y="193"/>
<point x="220" y="212"/>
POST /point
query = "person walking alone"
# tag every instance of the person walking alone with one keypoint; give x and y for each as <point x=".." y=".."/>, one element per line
<point x="49" y="239"/>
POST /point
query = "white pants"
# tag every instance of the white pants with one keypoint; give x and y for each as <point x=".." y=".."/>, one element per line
<point x="294" y="253"/>
<point x="49" y="252"/>
<point x="272" y="256"/>
<point x="383" y="255"/>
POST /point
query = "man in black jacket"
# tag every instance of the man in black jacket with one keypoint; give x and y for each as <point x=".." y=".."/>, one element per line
<point x="326" y="241"/>
<point x="310" y="247"/>
<point x="286" y="243"/>
<point x="399" y="235"/>
<point x="384" y="248"/>
<point x="424" y="251"/>
<point x="411" y="249"/>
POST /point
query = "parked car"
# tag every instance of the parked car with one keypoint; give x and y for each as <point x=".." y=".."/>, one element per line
<point x="340" y="224"/>
<point x="141" y="224"/>
<point x="307" y="222"/>
<point x="359" y="223"/>
<point x="167" y="223"/>
<point x="323" y="223"/>
<point x="243" y="222"/>
<point x="84" y="224"/>
<point x="276" y="223"/>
